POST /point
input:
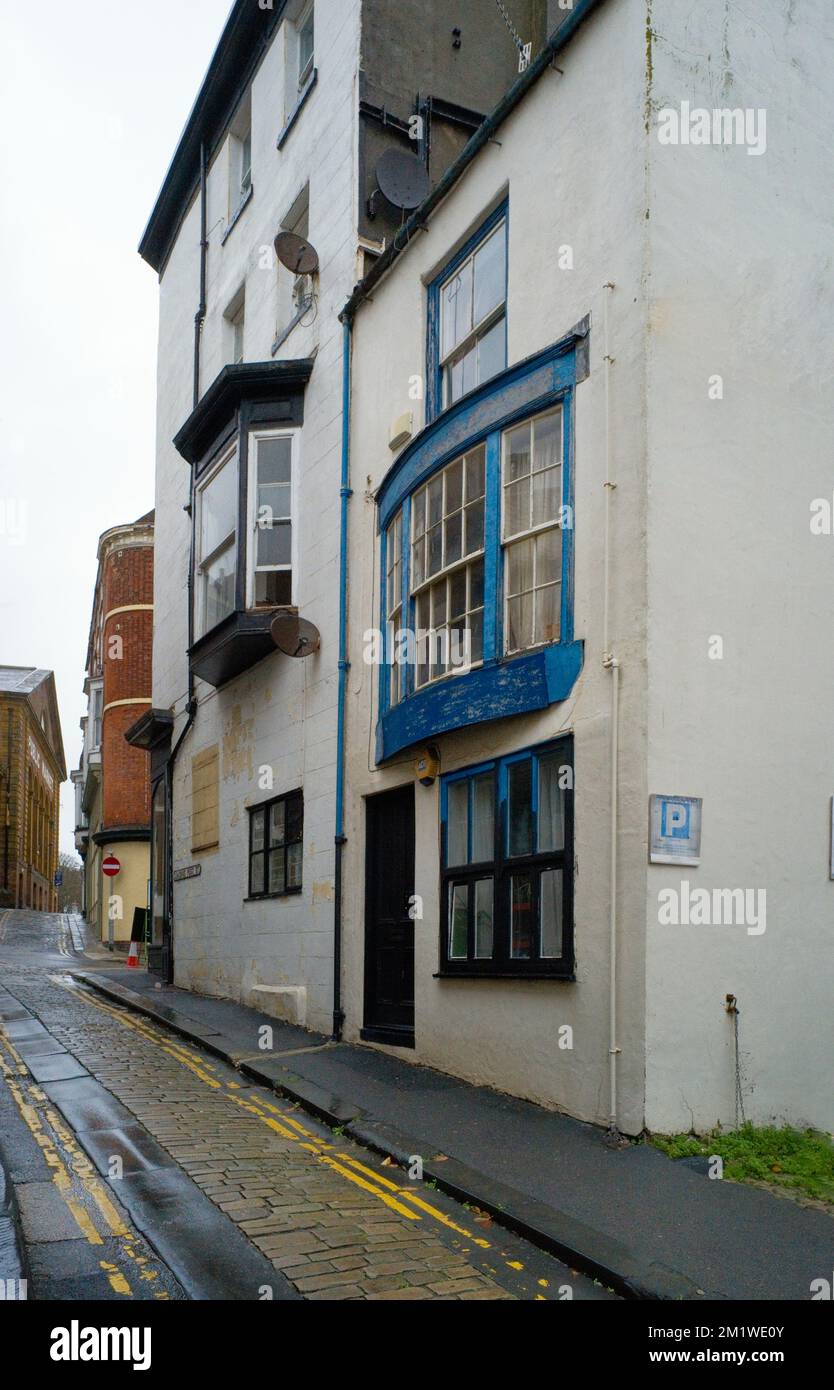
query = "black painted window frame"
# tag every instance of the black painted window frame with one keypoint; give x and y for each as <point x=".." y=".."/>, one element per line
<point x="292" y="798"/>
<point x="501" y="868"/>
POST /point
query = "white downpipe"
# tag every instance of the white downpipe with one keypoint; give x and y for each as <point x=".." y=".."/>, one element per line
<point x="611" y="664"/>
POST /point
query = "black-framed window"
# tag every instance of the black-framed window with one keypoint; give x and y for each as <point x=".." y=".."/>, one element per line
<point x="276" y="833"/>
<point x="507" y="865"/>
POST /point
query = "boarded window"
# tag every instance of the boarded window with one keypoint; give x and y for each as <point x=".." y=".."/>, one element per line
<point x="205" y="799"/>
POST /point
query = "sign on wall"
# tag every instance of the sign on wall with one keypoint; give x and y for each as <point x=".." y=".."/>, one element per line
<point x="675" y="829"/>
<point x="192" y="871"/>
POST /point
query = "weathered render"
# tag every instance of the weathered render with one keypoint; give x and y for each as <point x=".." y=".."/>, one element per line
<point x="708" y="262"/>
<point x="739" y="286"/>
<point x="272" y="728"/>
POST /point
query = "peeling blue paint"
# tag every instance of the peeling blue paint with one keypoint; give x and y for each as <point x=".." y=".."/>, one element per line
<point x="517" y="685"/>
<point x="503" y="685"/>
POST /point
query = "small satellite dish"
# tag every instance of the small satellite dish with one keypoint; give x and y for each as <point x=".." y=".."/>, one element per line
<point x="402" y="179"/>
<point x="296" y="253"/>
<point x="294" y="635"/>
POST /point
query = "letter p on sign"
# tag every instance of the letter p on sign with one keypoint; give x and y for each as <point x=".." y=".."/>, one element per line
<point x="675" y="820"/>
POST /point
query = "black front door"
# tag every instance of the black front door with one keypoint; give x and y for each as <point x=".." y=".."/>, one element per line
<point x="389" y="929"/>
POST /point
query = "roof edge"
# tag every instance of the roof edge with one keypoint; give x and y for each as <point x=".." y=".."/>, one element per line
<point x="248" y="31"/>
<point x="418" y="219"/>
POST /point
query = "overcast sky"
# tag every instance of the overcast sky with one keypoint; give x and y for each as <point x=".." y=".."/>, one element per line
<point x="93" y="98"/>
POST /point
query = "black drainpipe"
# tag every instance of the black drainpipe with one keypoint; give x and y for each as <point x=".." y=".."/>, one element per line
<point x="199" y="317"/>
<point x="191" y="707"/>
<point x="8" y="802"/>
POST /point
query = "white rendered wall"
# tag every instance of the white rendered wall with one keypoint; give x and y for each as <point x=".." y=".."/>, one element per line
<point x="572" y="158"/>
<point x="282" y="713"/>
<point x="741" y="285"/>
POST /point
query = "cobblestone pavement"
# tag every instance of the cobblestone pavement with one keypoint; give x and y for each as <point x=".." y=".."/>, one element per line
<point x="337" y="1220"/>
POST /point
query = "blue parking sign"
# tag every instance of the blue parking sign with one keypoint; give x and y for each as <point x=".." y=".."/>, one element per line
<point x="675" y="829"/>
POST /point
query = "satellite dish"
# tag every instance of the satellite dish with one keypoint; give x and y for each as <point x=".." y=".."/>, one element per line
<point x="402" y="179"/>
<point x="296" y="253"/>
<point x="295" y="636"/>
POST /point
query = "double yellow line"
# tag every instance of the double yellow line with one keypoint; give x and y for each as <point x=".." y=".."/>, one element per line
<point x="32" y="1105"/>
<point x="392" y="1194"/>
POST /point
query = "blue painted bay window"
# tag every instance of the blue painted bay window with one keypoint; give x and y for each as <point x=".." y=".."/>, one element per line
<point x="477" y="556"/>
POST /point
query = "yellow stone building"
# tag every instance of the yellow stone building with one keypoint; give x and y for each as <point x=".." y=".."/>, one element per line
<point x="32" y="768"/>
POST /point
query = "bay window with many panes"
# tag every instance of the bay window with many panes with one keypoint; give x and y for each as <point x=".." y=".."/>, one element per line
<point x="442" y="551"/>
<point x="476" y="523"/>
<point x="507" y="866"/>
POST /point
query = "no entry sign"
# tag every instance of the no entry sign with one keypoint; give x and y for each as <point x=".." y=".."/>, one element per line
<point x="110" y="865"/>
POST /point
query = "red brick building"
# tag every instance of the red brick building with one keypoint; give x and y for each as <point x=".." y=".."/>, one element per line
<point x="114" y="778"/>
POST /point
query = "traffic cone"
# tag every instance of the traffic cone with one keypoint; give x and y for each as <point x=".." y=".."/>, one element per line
<point x="133" y="956"/>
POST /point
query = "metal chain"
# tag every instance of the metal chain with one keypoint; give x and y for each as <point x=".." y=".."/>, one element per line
<point x="517" y="39"/>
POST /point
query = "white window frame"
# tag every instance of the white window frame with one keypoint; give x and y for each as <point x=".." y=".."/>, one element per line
<point x="295" y="292"/>
<point x="395" y="612"/>
<point x="239" y="335"/>
<point x="478" y="330"/>
<point x="255" y="435"/>
<point x="447" y="570"/>
<point x="245" y="163"/>
<point x="532" y="532"/>
<point x="96" y="715"/>
<point x="240" y="169"/>
<point x="229" y="457"/>
<point x="303" y="74"/>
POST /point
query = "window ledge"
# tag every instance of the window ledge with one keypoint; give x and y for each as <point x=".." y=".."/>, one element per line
<point x="505" y="975"/>
<point x="294" y="321"/>
<point x="237" y="214"/>
<point x="296" y="111"/>
<point x="270" y="897"/>
<point x="496" y="690"/>
<point x="233" y="646"/>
